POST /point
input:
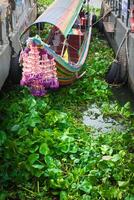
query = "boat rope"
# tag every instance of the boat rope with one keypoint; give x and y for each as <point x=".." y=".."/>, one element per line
<point x="123" y="40"/>
<point x="101" y="18"/>
<point x="70" y="46"/>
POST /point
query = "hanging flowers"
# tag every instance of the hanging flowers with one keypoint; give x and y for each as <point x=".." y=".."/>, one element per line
<point x="39" y="68"/>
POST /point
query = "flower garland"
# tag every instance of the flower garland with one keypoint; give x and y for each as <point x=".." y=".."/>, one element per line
<point x="39" y="68"/>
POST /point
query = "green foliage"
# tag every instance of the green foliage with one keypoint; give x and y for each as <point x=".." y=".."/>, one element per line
<point x="44" y="2"/>
<point x="47" y="153"/>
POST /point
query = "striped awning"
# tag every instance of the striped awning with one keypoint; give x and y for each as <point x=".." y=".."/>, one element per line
<point x="62" y="14"/>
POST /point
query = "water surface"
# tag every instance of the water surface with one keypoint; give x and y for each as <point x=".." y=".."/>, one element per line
<point x="94" y="118"/>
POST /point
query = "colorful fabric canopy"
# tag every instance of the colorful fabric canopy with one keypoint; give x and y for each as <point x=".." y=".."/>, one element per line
<point x="62" y="14"/>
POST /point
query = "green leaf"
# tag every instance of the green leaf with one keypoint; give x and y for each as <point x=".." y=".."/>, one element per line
<point x="86" y="197"/>
<point x="130" y="197"/>
<point x="65" y="148"/>
<point x="49" y="161"/>
<point x="122" y="153"/>
<point x="38" y="166"/>
<point x="116" y="157"/>
<point x="32" y="103"/>
<point x="23" y="132"/>
<point x="44" y="149"/>
<point x="32" y="158"/>
<point x="3" y="195"/>
<point x="85" y="186"/>
<point x="38" y="173"/>
<point x="63" y="195"/>
<point x="106" y="149"/>
<point x="15" y="128"/>
<point x="74" y="149"/>
<point x="3" y="137"/>
<point x="123" y="183"/>
<point x="34" y="149"/>
<point x="53" y="172"/>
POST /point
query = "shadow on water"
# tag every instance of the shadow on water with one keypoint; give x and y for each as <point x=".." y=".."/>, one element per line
<point x="123" y="95"/>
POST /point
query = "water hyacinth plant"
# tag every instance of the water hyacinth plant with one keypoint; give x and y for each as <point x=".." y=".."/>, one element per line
<point x="47" y="153"/>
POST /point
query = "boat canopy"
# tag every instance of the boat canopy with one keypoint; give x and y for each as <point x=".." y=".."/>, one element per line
<point x="62" y="14"/>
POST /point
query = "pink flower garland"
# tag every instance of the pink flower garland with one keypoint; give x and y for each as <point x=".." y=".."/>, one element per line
<point x="39" y="69"/>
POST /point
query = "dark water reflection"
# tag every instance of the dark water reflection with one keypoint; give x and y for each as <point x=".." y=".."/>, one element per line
<point x="123" y="95"/>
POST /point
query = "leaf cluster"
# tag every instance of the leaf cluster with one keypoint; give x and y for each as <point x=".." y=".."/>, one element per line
<point x="47" y="153"/>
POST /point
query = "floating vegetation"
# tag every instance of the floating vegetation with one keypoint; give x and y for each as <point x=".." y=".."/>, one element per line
<point x="47" y="153"/>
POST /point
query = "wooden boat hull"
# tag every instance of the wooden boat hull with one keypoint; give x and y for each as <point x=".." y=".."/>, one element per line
<point x="65" y="77"/>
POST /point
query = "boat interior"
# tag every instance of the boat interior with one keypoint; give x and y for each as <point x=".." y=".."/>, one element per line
<point x="68" y="48"/>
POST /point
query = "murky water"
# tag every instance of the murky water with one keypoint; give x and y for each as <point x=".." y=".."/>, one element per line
<point x="94" y="118"/>
<point x="124" y="95"/>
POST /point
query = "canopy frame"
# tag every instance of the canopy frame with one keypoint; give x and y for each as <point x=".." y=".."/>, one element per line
<point x="61" y="14"/>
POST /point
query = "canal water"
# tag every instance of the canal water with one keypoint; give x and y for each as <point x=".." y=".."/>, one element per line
<point x="93" y="117"/>
<point x="124" y="95"/>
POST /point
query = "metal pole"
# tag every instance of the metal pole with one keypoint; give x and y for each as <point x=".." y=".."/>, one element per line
<point x="128" y="12"/>
<point x="120" y="7"/>
<point x="1" y="41"/>
<point x="116" y="7"/>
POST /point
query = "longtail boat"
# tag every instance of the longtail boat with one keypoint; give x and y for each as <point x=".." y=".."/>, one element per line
<point x="54" y="55"/>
